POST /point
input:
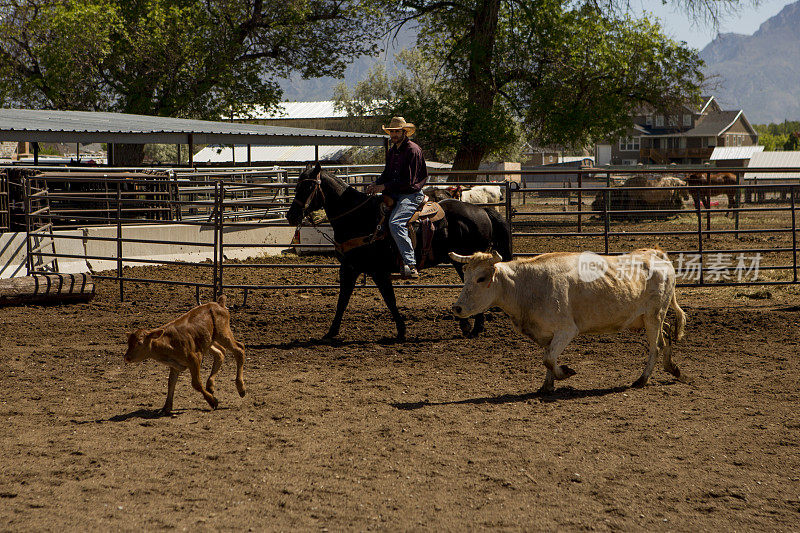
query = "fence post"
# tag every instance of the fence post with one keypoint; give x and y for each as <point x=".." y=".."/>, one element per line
<point x="26" y="188"/>
<point x="509" y="189"/>
<point x="700" y="235"/>
<point x="221" y="219"/>
<point x="794" y="236"/>
<point x="738" y="204"/>
<point x="119" y="241"/>
<point x="580" y="199"/>
<point x="707" y="195"/>
<point x="217" y="231"/>
<point x="606" y="209"/>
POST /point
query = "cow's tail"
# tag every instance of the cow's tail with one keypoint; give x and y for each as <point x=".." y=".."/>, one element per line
<point x="501" y="234"/>
<point x="680" y="318"/>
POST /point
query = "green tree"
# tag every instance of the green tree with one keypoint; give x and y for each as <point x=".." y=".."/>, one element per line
<point x="793" y="142"/>
<point x="569" y="72"/>
<point x="178" y="58"/>
<point x="433" y="104"/>
<point x="778" y="136"/>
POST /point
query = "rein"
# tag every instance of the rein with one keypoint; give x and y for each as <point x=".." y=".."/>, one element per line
<point x="348" y="245"/>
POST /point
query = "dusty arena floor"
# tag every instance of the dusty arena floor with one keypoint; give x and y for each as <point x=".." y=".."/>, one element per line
<point x="438" y="433"/>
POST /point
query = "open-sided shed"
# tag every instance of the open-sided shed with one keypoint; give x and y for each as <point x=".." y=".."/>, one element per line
<point x="36" y="125"/>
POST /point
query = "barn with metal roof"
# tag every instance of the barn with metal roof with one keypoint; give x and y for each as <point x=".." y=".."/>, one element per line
<point x="120" y="128"/>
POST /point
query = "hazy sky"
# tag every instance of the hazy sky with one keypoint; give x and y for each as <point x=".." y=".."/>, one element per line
<point x="677" y="24"/>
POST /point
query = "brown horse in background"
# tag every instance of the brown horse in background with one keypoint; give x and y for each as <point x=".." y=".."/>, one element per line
<point x="717" y="178"/>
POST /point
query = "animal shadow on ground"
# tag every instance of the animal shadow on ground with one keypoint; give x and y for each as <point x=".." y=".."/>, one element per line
<point x="141" y="413"/>
<point x="150" y="414"/>
<point x="562" y="393"/>
<point x="311" y="343"/>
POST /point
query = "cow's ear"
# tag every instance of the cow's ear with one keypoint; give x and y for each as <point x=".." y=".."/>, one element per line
<point x="309" y="166"/>
<point x="316" y="171"/>
<point x="155" y="334"/>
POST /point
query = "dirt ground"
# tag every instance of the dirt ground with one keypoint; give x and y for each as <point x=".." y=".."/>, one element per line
<point x="437" y="433"/>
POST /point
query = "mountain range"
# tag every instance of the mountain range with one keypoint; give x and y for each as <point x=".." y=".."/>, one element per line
<point x="758" y="73"/>
<point x="316" y="89"/>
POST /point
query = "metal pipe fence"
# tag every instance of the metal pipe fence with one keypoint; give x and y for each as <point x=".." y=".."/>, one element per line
<point x="544" y="215"/>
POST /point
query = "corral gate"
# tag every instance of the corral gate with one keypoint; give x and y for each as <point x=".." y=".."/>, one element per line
<point x="575" y="213"/>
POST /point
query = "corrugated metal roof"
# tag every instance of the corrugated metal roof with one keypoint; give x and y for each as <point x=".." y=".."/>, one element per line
<point x="735" y="152"/>
<point x="774" y="160"/>
<point x="222" y="154"/>
<point x="291" y="110"/>
<point x="87" y="126"/>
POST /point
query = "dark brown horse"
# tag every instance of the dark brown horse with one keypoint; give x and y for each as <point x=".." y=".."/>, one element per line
<point x="716" y="178"/>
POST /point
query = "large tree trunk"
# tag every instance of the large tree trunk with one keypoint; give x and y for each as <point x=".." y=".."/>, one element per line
<point x="128" y="155"/>
<point x="481" y="88"/>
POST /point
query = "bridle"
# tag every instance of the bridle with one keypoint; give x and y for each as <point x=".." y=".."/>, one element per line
<point x="316" y="190"/>
<point x="340" y="248"/>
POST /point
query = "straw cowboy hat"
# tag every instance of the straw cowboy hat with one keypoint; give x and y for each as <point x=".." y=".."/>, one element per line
<point x="399" y="123"/>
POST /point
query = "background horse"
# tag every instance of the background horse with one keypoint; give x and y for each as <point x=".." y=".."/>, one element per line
<point x="465" y="229"/>
<point x="704" y="195"/>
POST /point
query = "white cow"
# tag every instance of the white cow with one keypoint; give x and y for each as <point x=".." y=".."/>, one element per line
<point x="482" y="194"/>
<point x="555" y="297"/>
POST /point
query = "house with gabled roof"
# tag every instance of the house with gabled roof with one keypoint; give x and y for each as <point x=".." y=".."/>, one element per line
<point x="687" y="136"/>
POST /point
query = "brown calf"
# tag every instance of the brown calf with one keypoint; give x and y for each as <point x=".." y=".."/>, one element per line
<point x="182" y="343"/>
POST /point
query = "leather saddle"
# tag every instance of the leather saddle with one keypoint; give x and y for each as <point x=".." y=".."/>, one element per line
<point x="428" y="210"/>
<point x="424" y="217"/>
<point x="426" y="214"/>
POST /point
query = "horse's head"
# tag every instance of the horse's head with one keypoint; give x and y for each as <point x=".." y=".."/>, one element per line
<point x="308" y="194"/>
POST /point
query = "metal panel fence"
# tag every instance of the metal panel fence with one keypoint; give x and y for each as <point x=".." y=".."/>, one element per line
<point x="757" y="245"/>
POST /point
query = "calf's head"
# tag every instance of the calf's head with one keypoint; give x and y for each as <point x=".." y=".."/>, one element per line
<point x="479" y="292"/>
<point x="139" y="344"/>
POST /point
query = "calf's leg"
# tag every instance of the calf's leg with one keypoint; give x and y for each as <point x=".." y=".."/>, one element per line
<point x="173" y="379"/>
<point x="227" y="341"/>
<point x="219" y="357"/>
<point x="193" y="361"/>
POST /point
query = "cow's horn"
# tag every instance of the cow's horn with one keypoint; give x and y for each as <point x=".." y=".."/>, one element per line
<point x="459" y="258"/>
<point x="496" y="256"/>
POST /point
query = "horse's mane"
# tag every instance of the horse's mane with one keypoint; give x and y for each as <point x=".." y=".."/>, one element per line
<point x="339" y="185"/>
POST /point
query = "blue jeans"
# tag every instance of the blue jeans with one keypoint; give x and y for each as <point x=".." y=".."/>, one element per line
<point x="404" y="207"/>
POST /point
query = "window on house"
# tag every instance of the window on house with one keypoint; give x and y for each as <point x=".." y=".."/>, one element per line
<point x="648" y="120"/>
<point x="673" y="120"/>
<point x="687" y="120"/>
<point x="629" y="144"/>
<point x="659" y="121"/>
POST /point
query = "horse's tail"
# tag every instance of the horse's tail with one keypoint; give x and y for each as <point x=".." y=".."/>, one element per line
<point x="501" y="234"/>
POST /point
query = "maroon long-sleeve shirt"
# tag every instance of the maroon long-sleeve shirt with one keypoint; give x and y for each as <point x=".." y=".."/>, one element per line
<point x="405" y="170"/>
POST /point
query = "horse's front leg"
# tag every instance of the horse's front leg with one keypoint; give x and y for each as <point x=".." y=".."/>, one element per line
<point x="464" y="323"/>
<point x="347" y="282"/>
<point x="384" y="284"/>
